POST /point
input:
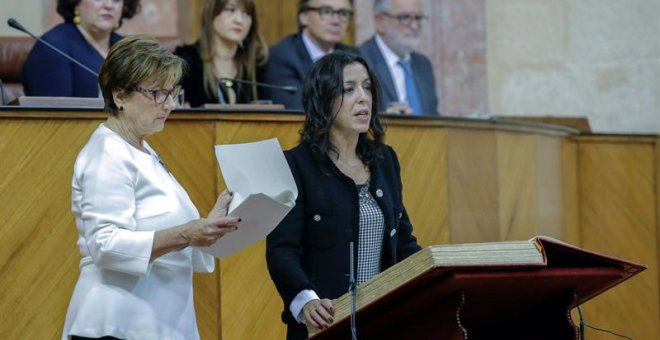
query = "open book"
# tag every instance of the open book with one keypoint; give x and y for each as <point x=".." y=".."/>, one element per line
<point x="264" y="192"/>
<point x="524" y="269"/>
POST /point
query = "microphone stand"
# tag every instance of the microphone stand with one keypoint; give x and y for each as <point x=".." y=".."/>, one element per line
<point x="218" y="89"/>
<point x="288" y="89"/>
<point x="2" y="93"/>
<point x="15" y="24"/>
<point x="352" y="288"/>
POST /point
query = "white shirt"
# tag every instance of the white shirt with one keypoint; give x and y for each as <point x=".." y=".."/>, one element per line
<point x="314" y="51"/>
<point x="120" y="197"/>
<point x="396" y="70"/>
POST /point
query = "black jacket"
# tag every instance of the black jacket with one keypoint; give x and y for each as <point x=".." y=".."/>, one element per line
<point x="309" y="249"/>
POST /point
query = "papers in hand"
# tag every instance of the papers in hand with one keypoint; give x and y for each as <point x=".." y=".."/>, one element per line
<point x="264" y="192"/>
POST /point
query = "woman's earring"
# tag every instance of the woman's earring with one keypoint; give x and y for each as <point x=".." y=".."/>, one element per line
<point x="76" y="17"/>
<point x="117" y="25"/>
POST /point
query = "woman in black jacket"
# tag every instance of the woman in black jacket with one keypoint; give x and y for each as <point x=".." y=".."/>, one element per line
<point x="349" y="190"/>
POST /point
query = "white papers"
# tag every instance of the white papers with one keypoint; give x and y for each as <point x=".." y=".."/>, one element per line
<point x="264" y="192"/>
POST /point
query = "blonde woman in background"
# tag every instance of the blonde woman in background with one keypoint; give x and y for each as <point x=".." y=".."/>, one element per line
<point x="230" y="46"/>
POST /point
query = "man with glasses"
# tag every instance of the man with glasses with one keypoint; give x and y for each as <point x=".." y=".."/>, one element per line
<point x="322" y="24"/>
<point x="406" y="77"/>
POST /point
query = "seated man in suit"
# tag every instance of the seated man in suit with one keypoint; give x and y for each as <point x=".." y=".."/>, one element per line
<point x="322" y="24"/>
<point x="406" y="77"/>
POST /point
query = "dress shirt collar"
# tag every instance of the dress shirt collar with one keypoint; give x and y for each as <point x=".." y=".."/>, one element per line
<point x="314" y="51"/>
<point x="390" y="57"/>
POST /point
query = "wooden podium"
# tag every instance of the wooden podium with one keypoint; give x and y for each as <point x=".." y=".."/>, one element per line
<point x="429" y="296"/>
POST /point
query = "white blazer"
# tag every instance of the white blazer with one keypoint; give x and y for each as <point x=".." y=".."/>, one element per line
<point x="120" y="197"/>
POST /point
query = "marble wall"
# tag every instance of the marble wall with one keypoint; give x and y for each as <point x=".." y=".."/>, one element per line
<point x="455" y="40"/>
<point x="593" y="58"/>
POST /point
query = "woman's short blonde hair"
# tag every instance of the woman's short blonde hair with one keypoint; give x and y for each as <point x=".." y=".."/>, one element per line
<point x="134" y="61"/>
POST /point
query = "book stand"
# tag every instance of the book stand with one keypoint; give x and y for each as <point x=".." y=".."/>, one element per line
<point x="488" y="302"/>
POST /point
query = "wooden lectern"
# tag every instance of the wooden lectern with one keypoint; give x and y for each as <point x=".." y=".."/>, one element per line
<point x="500" y="290"/>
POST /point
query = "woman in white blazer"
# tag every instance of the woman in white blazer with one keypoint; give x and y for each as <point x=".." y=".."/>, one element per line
<point x="137" y="224"/>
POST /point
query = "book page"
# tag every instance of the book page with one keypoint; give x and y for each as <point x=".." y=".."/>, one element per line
<point x="264" y="192"/>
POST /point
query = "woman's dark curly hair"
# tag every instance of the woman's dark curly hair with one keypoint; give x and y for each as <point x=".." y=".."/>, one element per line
<point x="67" y="9"/>
<point x="323" y="85"/>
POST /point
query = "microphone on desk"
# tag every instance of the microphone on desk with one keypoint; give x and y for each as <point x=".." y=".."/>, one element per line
<point x="229" y="82"/>
<point x="15" y="24"/>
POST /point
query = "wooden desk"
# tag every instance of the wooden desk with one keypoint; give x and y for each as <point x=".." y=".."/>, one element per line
<point x="464" y="181"/>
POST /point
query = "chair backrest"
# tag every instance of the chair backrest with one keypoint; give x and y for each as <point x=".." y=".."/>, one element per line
<point x="13" y="52"/>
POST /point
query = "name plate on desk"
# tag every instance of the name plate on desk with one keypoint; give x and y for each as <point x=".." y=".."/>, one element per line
<point x="58" y="102"/>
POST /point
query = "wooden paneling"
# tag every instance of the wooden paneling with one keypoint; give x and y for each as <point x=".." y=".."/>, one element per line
<point x="464" y="181"/>
<point x="472" y="188"/>
<point x="618" y="212"/>
<point x="38" y="257"/>
<point x="657" y="210"/>
<point x="250" y="302"/>
<point x="517" y="190"/>
<point x="424" y="174"/>
<point x="549" y="177"/>
<point x="569" y="184"/>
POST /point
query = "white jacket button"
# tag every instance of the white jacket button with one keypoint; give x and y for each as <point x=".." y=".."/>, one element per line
<point x="317" y="217"/>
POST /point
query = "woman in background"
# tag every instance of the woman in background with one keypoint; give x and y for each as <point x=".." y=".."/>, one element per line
<point x="138" y="228"/>
<point x="230" y="46"/>
<point x="86" y="35"/>
<point x="349" y="191"/>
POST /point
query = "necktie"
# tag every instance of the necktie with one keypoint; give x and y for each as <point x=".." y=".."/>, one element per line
<point x="412" y="95"/>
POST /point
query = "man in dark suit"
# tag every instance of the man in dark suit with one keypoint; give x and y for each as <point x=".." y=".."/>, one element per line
<point x="323" y="24"/>
<point x="406" y="77"/>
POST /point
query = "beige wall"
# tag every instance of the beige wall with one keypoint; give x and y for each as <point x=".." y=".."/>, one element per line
<point x="28" y="12"/>
<point x="599" y="59"/>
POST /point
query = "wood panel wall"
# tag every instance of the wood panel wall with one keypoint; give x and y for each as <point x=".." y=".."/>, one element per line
<point x="618" y="202"/>
<point x="464" y="181"/>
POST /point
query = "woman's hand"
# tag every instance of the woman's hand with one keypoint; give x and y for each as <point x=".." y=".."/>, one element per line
<point x="319" y="313"/>
<point x="221" y="205"/>
<point x="205" y="231"/>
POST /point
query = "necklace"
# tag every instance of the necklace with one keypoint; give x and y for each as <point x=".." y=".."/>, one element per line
<point x="118" y="129"/>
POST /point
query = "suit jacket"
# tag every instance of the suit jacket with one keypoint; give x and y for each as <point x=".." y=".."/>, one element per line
<point x="288" y="62"/>
<point x="120" y="197"/>
<point x="422" y="72"/>
<point x="309" y="248"/>
<point x="47" y="73"/>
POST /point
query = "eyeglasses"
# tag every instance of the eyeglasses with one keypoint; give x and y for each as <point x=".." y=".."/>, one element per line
<point x="407" y="18"/>
<point x="326" y="12"/>
<point x="160" y="95"/>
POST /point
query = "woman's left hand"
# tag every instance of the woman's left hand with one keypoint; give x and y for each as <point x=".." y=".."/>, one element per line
<point x="221" y="205"/>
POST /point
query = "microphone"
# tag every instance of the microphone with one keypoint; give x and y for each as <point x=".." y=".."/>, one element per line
<point x="289" y="89"/>
<point x="352" y="288"/>
<point x="15" y="24"/>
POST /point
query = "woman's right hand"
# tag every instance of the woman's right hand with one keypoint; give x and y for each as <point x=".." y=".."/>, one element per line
<point x="205" y="232"/>
<point x="319" y="313"/>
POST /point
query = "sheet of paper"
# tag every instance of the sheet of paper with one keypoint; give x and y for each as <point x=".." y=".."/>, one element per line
<point x="264" y="192"/>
